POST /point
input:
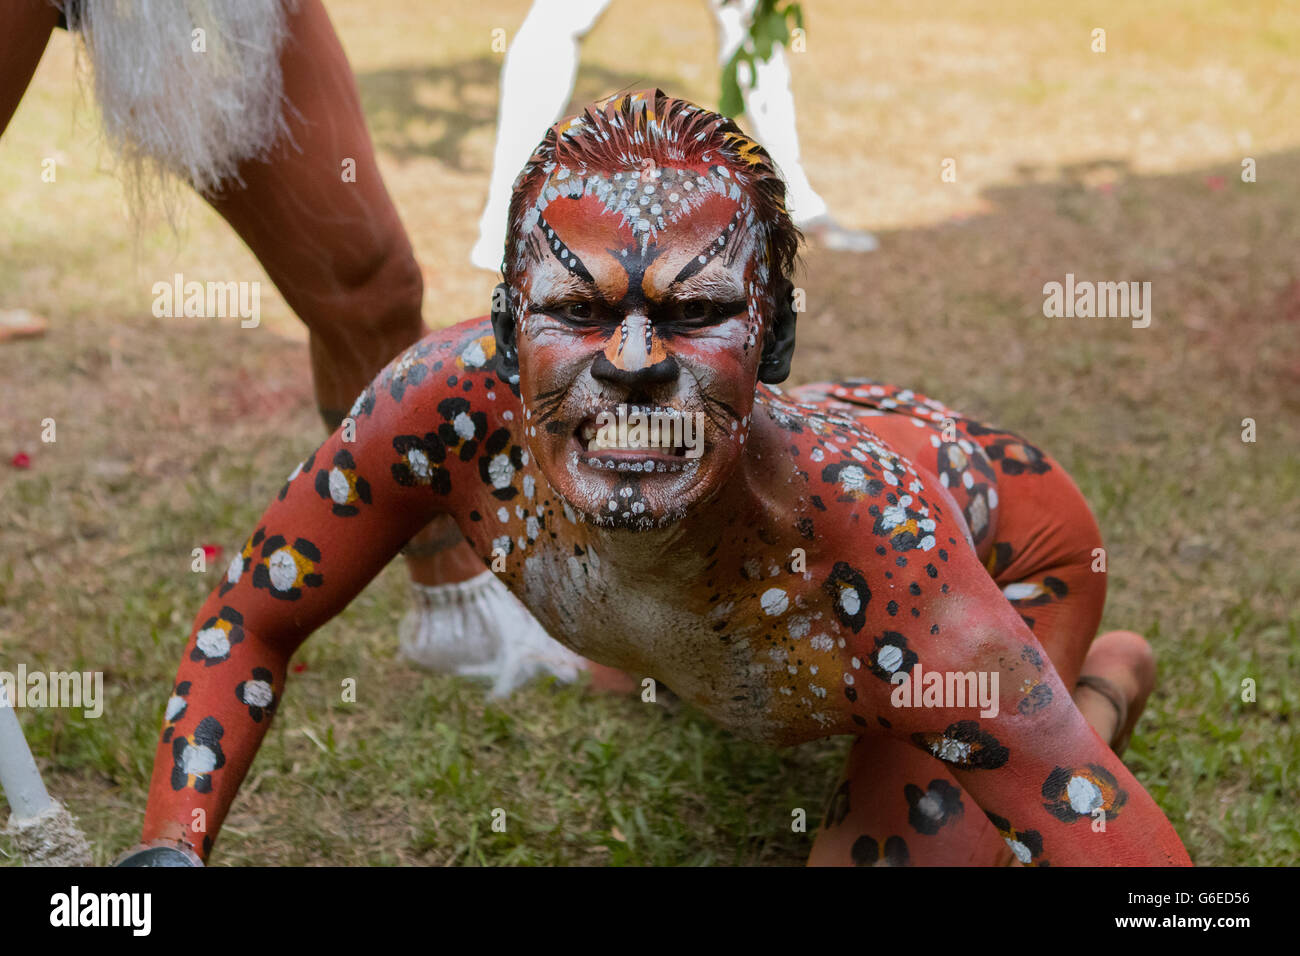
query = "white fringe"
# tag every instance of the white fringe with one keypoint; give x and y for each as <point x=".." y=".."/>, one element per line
<point x="171" y="112"/>
<point x="477" y="628"/>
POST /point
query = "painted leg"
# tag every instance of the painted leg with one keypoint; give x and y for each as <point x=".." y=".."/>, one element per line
<point x="896" y="805"/>
<point x="28" y="25"/>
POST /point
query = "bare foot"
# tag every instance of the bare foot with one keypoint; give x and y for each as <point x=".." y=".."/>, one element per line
<point x="1118" y="675"/>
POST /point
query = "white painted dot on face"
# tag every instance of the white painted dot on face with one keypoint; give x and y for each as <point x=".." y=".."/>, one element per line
<point x="503" y="515"/>
<point x="930" y="806"/>
<point x="236" y="570"/>
<point x="613" y="505"/>
<point x="508" y="415"/>
<point x="850" y="601"/>
<point x="175" y="705"/>
<point x="889" y="658"/>
<point x="1084" y="795"/>
<point x="775" y="601"/>
<point x="530" y="486"/>
<point x="283" y="570"/>
<point x="857" y="664"/>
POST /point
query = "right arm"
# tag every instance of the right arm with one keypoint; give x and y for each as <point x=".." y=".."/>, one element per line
<point x="335" y="524"/>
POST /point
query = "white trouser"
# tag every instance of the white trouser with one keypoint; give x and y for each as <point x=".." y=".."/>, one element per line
<point x="537" y="81"/>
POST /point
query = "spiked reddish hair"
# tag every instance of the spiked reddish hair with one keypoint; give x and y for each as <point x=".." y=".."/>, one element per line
<point x="621" y="132"/>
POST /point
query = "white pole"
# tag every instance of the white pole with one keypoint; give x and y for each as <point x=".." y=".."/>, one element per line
<point x="44" y="831"/>
<point x="19" y="777"/>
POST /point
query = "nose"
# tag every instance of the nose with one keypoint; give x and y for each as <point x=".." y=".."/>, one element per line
<point x="635" y="357"/>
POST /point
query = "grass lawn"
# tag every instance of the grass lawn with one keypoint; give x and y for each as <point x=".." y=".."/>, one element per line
<point x="1123" y="165"/>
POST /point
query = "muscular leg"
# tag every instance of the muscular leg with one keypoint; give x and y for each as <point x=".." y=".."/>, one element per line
<point x="28" y="25"/>
<point x="335" y="249"/>
<point x="896" y="805"/>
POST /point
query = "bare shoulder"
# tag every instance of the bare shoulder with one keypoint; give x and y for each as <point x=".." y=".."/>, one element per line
<point x="439" y="409"/>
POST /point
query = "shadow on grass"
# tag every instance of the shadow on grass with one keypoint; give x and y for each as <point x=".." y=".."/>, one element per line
<point x="430" y="111"/>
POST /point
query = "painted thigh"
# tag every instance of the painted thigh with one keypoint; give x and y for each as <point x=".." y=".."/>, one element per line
<point x="28" y="25"/>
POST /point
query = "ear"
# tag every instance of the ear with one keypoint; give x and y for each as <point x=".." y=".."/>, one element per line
<point x="778" y="349"/>
<point x="503" y="327"/>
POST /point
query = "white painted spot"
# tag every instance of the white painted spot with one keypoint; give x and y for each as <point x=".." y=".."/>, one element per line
<point x="775" y="601"/>
<point x="889" y="658"/>
<point x="463" y="425"/>
<point x="283" y="570"/>
<point x="953" y="751"/>
<point x="339" y="487"/>
<point x="1020" y="851"/>
<point x="212" y="642"/>
<point x="1084" y="795"/>
<point x="419" y="462"/>
<point x="1021" y="590"/>
<point x="500" y="471"/>
<point x="257" y="693"/>
<point x="198" y="760"/>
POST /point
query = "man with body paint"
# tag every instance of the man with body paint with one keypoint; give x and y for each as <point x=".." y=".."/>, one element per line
<point x="826" y="540"/>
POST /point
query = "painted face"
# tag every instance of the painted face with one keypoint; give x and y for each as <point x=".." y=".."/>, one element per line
<point x="639" y="288"/>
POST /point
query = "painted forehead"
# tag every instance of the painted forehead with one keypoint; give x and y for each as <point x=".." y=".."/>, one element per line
<point x="659" y="224"/>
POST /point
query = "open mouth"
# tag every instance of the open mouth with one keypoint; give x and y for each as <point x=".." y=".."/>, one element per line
<point x="619" y="443"/>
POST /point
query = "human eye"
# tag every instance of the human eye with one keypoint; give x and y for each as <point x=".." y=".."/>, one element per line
<point x="572" y="311"/>
<point x="698" y="312"/>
